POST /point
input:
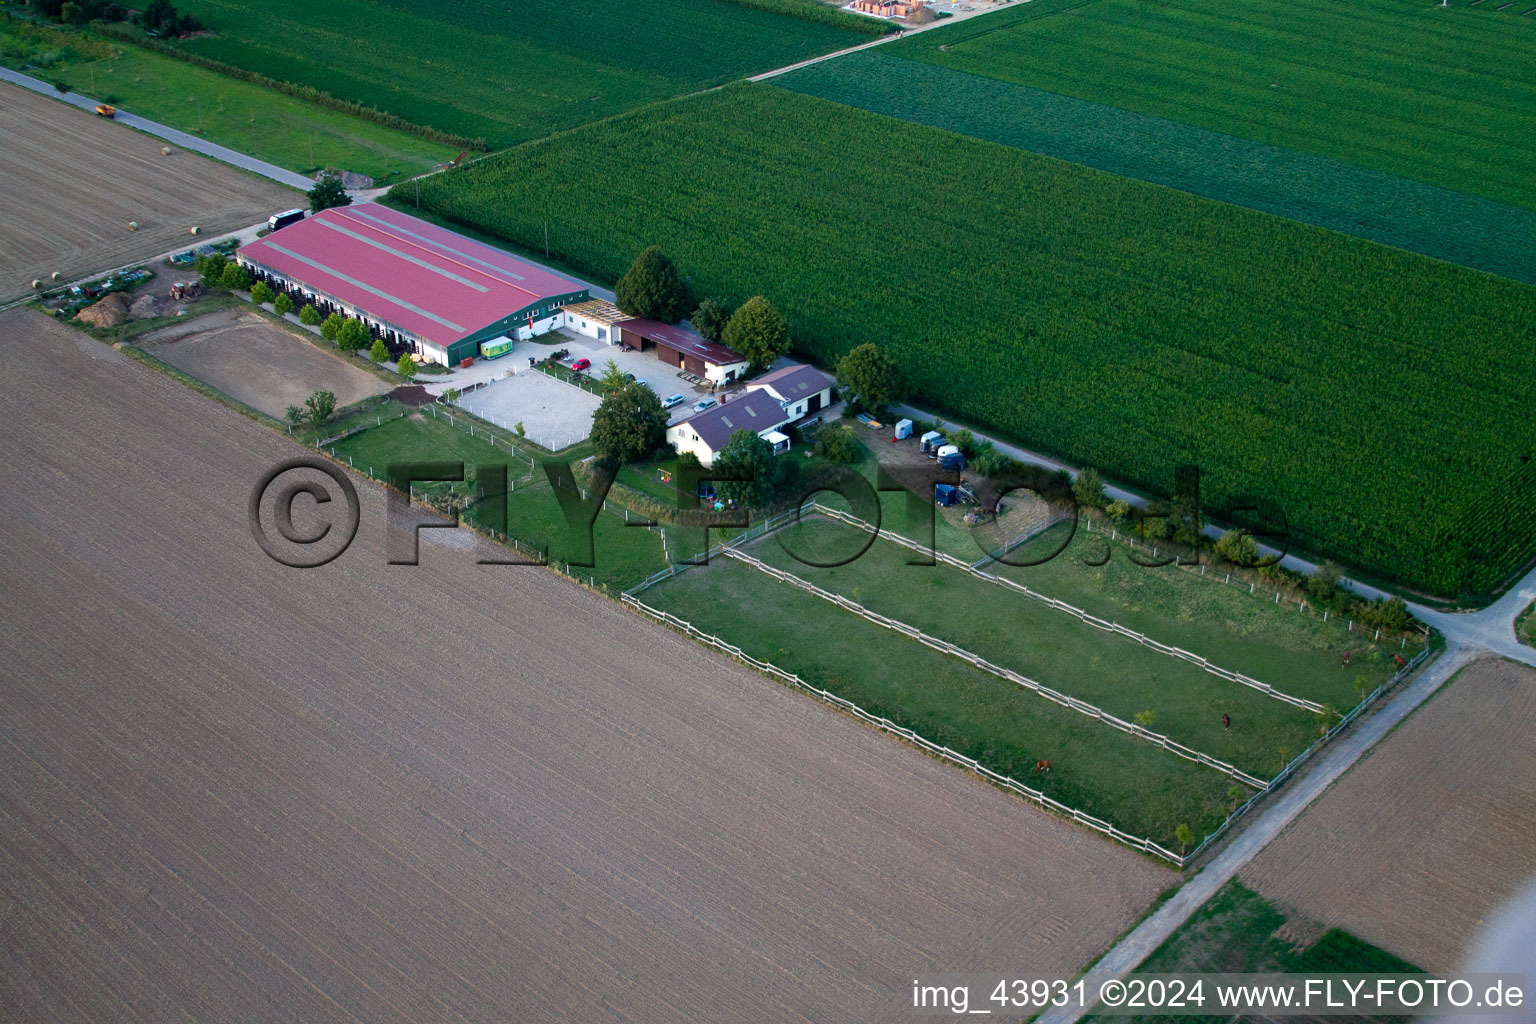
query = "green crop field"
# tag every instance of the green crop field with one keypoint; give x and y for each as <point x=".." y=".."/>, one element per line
<point x="507" y="71"/>
<point x="1440" y="222"/>
<point x="1407" y="87"/>
<point x="1381" y="399"/>
<point x="262" y="122"/>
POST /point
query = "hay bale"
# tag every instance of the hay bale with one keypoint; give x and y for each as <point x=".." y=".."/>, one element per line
<point x="133" y="225"/>
<point x="109" y="312"/>
<point x="144" y="307"/>
<point x="194" y="229"/>
<point x="165" y="150"/>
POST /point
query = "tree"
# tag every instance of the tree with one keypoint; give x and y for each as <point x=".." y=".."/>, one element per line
<point x="1145" y="719"/>
<point x="652" y="288"/>
<point x="328" y="192"/>
<point x="282" y="304"/>
<point x="1323" y="584"/>
<point x="406" y="368"/>
<point x="1362" y="685"/>
<point x="235" y="278"/>
<point x="321" y="406"/>
<point x="352" y="336"/>
<point x="1185" y="835"/>
<point x="836" y="443"/>
<point x="309" y="316"/>
<point x="331" y="329"/>
<point x="710" y="318"/>
<point x="295" y="416"/>
<point x="629" y="423"/>
<point x="757" y="332"/>
<point x="1089" y="488"/>
<point x="261" y="293"/>
<point x="1118" y="509"/>
<point x="380" y="351"/>
<point x="1235" y="796"/>
<point x="871" y="374"/>
<point x="211" y="269"/>
<point x="613" y="378"/>
<point x="750" y="457"/>
<point x="1238" y="547"/>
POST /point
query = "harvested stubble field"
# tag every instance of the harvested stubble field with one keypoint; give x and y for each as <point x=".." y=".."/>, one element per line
<point x="74" y="181"/>
<point x="255" y="361"/>
<point x="232" y="790"/>
<point x="1416" y="846"/>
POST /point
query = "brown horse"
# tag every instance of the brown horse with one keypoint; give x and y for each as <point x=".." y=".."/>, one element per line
<point x="1346" y="656"/>
<point x="1042" y="766"/>
<point x="1401" y="661"/>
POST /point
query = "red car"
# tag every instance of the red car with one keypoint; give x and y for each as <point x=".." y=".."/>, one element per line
<point x="581" y="365"/>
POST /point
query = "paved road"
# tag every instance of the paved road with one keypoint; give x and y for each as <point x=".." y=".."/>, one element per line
<point x="182" y="139"/>
<point x="1354" y="742"/>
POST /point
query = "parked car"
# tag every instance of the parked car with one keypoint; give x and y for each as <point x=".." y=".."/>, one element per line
<point x="673" y="401"/>
<point x="582" y="365"/>
<point x="702" y="404"/>
<point x="630" y="377"/>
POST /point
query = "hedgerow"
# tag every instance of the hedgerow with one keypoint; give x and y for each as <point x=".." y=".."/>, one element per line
<point x="1380" y="398"/>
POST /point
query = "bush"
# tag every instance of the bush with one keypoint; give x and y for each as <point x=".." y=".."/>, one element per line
<point x="836" y="443"/>
<point x="380" y="352"/>
<point x="310" y="316"/>
<point x="282" y="305"/>
<point x="261" y="293"/>
<point x="331" y="329"/>
<point x="1238" y="547"/>
<point x="1089" y="488"/>
<point x="407" y="367"/>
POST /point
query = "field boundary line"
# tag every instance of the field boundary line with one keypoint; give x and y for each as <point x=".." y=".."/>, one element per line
<point x="886" y="725"/>
<point x="1092" y="620"/>
<point x="1056" y="696"/>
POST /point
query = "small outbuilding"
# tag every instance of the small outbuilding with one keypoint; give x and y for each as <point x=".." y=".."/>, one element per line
<point x="685" y="349"/>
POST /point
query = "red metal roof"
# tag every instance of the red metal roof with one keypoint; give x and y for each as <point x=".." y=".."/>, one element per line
<point x="431" y="282"/>
<point x="681" y="338"/>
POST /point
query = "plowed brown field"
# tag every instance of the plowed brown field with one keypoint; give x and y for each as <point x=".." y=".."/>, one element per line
<point x="73" y="181"/>
<point x="1421" y="841"/>
<point x="235" y="791"/>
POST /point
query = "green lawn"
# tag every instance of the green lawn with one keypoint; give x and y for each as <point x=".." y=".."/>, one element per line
<point x="510" y="71"/>
<point x="1235" y="933"/>
<point x="1051" y="647"/>
<point x="1101" y="319"/>
<point x="1525" y="626"/>
<point x="261" y="122"/>
<point x="1133" y="784"/>
<point x="623" y="555"/>
<point x="1292" y="650"/>
<point x="1408" y="87"/>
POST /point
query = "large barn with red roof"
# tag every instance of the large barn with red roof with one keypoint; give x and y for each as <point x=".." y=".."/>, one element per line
<point x="418" y="286"/>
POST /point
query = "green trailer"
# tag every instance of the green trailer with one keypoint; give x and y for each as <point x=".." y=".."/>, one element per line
<point x="495" y="348"/>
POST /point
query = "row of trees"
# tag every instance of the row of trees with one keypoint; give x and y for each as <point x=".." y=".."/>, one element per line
<point x="159" y="16"/>
<point x="653" y="289"/>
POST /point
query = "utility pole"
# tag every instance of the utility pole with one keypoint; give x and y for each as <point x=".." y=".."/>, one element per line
<point x="546" y="239"/>
<point x="311" y="149"/>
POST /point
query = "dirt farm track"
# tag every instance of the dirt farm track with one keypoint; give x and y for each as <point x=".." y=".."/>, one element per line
<point x="235" y="791"/>
<point x="73" y="181"/>
<point x="1421" y="842"/>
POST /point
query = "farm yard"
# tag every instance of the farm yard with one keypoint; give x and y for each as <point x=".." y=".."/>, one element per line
<point x="1439" y="94"/>
<point x="75" y="181"/>
<point x="507" y="72"/>
<point x="554" y="415"/>
<point x="258" y="363"/>
<point x="1116" y="323"/>
<point x="1457" y="226"/>
<point x="1416" y="846"/>
<point x="284" y="130"/>
<point x="398" y="794"/>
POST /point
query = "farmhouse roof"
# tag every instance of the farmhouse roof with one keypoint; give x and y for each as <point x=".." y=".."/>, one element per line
<point x="793" y="383"/>
<point x="756" y="411"/>
<point x="687" y="341"/>
<point x="426" y="280"/>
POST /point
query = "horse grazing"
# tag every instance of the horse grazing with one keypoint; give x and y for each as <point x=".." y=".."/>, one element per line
<point x="1346" y="656"/>
<point x="1401" y="661"/>
<point x="1042" y="766"/>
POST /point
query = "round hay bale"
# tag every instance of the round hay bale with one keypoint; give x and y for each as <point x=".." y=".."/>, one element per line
<point x="165" y="150"/>
<point x="194" y="229"/>
<point x="36" y="283"/>
<point x="133" y="225"/>
<point x="56" y="275"/>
